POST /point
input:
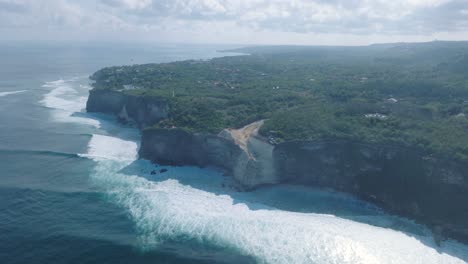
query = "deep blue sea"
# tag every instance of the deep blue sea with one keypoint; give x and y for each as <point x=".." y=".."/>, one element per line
<point x="72" y="189"/>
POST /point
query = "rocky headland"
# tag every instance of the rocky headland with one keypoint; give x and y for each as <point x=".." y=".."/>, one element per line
<point x="407" y="181"/>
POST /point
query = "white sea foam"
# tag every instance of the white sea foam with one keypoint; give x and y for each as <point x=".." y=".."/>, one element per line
<point x="11" y="93"/>
<point x="64" y="98"/>
<point x="102" y="147"/>
<point x="172" y="209"/>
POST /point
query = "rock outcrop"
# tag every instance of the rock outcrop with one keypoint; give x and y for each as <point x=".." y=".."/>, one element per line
<point x="142" y="110"/>
<point x="240" y="153"/>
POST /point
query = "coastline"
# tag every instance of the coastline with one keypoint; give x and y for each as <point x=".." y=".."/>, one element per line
<point x="400" y="180"/>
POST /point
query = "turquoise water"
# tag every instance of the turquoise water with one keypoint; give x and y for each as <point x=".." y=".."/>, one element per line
<point x="73" y="191"/>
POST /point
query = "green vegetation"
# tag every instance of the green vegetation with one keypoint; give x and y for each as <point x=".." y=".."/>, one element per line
<point x="409" y="94"/>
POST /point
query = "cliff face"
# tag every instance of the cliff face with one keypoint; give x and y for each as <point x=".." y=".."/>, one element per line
<point x="251" y="166"/>
<point x="430" y="189"/>
<point x="143" y="111"/>
<point x="178" y="147"/>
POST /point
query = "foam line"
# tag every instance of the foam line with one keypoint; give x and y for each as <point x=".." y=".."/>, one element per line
<point x="102" y="147"/>
<point x="64" y="98"/>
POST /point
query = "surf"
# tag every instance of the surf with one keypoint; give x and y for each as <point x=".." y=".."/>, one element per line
<point x="66" y="102"/>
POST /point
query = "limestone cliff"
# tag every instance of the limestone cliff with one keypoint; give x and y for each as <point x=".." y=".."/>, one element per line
<point x="429" y="188"/>
<point x="141" y="110"/>
<point x="240" y="153"/>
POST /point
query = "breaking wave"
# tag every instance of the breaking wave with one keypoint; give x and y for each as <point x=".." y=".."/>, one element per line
<point x="67" y="100"/>
<point x="11" y="93"/>
<point x="39" y="152"/>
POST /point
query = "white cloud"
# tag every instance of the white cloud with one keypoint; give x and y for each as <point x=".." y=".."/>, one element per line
<point x="241" y="17"/>
<point x="137" y="4"/>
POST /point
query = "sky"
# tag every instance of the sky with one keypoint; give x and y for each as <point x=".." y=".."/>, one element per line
<point x="302" y="22"/>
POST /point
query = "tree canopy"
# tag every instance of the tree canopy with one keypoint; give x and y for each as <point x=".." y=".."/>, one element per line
<point x="409" y="94"/>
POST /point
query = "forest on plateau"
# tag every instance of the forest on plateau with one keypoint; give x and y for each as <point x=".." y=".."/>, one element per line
<point x="407" y="94"/>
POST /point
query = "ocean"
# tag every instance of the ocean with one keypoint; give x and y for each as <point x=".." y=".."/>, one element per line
<point x="72" y="189"/>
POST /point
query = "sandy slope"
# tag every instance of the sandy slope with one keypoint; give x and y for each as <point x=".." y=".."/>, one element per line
<point x="241" y="136"/>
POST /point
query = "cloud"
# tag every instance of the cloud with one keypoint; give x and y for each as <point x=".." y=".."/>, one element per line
<point x="204" y="17"/>
<point x="128" y="4"/>
<point x="319" y="16"/>
<point x="10" y="6"/>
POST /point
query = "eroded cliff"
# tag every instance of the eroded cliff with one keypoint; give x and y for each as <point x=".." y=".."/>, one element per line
<point x="240" y="153"/>
<point x="141" y="110"/>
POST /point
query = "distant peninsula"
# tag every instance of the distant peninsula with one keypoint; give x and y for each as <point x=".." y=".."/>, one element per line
<point x="387" y="123"/>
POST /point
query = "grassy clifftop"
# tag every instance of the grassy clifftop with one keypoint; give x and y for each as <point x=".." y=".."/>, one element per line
<point x="410" y="94"/>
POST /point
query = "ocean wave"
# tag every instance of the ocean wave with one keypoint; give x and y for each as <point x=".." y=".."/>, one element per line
<point x="39" y="152"/>
<point x="65" y="100"/>
<point x="102" y="147"/>
<point x="11" y="92"/>
<point x="55" y="83"/>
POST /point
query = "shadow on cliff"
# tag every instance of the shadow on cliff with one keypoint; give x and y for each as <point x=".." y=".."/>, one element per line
<point x="290" y="198"/>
